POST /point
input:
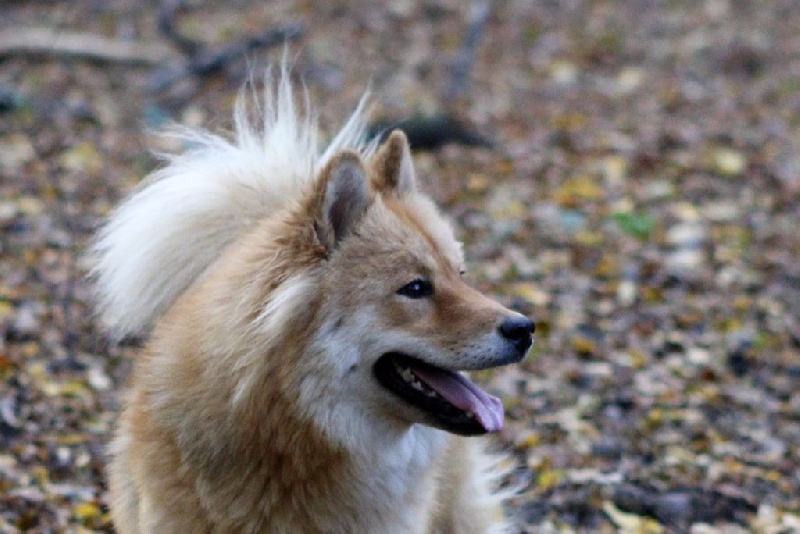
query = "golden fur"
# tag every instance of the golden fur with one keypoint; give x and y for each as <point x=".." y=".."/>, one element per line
<point x="254" y="407"/>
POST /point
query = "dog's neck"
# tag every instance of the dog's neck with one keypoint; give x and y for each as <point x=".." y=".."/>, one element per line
<point x="377" y="483"/>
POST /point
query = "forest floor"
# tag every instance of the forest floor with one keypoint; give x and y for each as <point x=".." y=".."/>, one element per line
<point x="641" y="201"/>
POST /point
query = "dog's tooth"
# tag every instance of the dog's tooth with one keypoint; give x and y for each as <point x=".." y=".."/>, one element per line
<point x="407" y="375"/>
<point x="416" y="384"/>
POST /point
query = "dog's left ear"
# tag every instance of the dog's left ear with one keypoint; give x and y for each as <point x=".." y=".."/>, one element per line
<point x="342" y="197"/>
<point x="393" y="166"/>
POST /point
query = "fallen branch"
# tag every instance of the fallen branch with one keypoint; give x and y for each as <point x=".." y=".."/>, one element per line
<point x="209" y="60"/>
<point x="167" y="25"/>
<point x="462" y="63"/>
<point x="58" y="43"/>
<point x="200" y="59"/>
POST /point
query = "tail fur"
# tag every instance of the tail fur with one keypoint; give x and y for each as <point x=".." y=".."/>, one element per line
<point x="162" y="238"/>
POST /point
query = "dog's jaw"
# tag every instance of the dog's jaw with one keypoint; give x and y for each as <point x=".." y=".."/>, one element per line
<point x="447" y="398"/>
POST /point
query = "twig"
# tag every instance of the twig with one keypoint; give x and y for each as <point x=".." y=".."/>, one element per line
<point x="51" y="42"/>
<point x="167" y="26"/>
<point x="465" y="57"/>
<point x="204" y="60"/>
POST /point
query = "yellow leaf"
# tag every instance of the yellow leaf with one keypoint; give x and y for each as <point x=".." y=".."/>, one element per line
<point x="631" y="523"/>
<point x="40" y="474"/>
<point x="629" y="79"/>
<point x="86" y="510"/>
<point x="615" y="170"/>
<point x="82" y="158"/>
<point x="531" y="293"/>
<point x="73" y="388"/>
<point x="549" y="478"/>
<point x="72" y="439"/>
<point x="583" y="345"/>
<point x="529" y="440"/>
<point x="29" y="349"/>
<point x="729" y="162"/>
<point x="589" y="238"/>
<point x="17" y="151"/>
<point x="30" y="205"/>
<point x="478" y="183"/>
<point x="563" y="72"/>
<point x="510" y="210"/>
<point x="583" y="187"/>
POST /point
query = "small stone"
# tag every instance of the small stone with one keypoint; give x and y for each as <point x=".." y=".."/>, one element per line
<point x="629" y="80"/>
<point x="674" y="508"/>
<point x="505" y="228"/>
<point x="29" y="205"/>
<point x="772" y="450"/>
<point x="738" y="363"/>
<point x="563" y="72"/>
<point x="721" y="212"/>
<point x="608" y="449"/>
<point x="685" y="263"/>
<point x="625" y="400"/>
<point x="729" y="162"/>
<point x="8" y="210"/>
<point x="98" y="380"/>
<point x="83" y="158"/>
<point x="10" y="424"/>
<point x="626" y="292"/>
<point x="572" y="221"/>
<point x="674" y="342"/>
<point x="659" y="189"/>
<point x="686" y="235"/>
<point x="533" y="513"/>
<point x="698" y="356"/>
<point x="17" y="151"/>
<point x="615" y="170"/>
<point x="61" y="458"/>
<point x="633" y="499"/>
<point x="26" y="324"/>
<point x="586" y="340"/>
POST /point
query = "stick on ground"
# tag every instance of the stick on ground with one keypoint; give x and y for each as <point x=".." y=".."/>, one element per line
<point x="58" y="43"/>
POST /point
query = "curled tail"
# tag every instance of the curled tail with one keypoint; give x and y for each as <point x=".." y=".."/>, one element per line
<point x="162" y="237"/>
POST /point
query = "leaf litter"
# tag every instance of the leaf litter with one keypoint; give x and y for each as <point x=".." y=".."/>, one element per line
<point x="640" y="202"/>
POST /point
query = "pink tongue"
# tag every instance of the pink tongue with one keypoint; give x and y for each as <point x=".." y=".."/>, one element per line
<point x="456" y="389"/>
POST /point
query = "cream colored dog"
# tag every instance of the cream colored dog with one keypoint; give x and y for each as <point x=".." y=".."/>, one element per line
<point x="309" y="328"/>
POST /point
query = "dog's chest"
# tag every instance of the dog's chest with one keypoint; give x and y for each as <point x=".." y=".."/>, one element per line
<point x="389" y="491"/>
<point x="401" y="481"/>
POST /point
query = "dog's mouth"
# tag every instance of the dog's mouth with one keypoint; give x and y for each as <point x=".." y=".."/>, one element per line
<point x="450" y="398"/>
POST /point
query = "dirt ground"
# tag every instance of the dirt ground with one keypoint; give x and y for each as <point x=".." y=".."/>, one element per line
<point x="640" y="201"/>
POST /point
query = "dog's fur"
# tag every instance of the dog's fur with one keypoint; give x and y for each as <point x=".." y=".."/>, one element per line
<point x="269" y="272"/>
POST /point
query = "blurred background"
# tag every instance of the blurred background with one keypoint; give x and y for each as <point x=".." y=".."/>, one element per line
<point x="626" y="173"/>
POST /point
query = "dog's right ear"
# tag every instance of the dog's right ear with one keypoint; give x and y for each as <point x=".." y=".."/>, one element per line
<point x="393" y="166"/>
<point x="342" y="197"/>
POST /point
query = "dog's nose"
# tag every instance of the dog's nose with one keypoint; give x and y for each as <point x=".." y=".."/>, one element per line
<point x="518" y="330"/>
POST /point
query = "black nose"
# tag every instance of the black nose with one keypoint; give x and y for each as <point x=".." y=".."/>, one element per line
<point x="518" y="330"/>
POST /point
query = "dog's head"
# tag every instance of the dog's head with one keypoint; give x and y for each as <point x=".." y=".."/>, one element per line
<point x="397" y="322"/>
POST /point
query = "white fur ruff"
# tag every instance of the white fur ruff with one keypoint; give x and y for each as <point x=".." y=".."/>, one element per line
<point x="183" y="215"/>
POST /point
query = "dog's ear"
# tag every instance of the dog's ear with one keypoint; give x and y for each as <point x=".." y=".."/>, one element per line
<point x="342" y="197"/>
<point x="393" y="166"/>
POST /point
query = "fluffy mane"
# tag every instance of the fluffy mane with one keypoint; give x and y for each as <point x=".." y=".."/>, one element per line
<point x="179" y="220"/>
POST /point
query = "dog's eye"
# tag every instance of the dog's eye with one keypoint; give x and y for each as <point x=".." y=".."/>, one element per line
<point x="417" y="289"/>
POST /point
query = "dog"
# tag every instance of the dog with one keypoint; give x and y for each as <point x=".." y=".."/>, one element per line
<point x="309" y="330"/>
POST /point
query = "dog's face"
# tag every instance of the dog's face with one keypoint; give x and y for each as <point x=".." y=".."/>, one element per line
<point x="399" y="321"/>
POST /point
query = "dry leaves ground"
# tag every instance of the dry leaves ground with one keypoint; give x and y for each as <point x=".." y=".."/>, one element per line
<point x="641" y="203"/>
